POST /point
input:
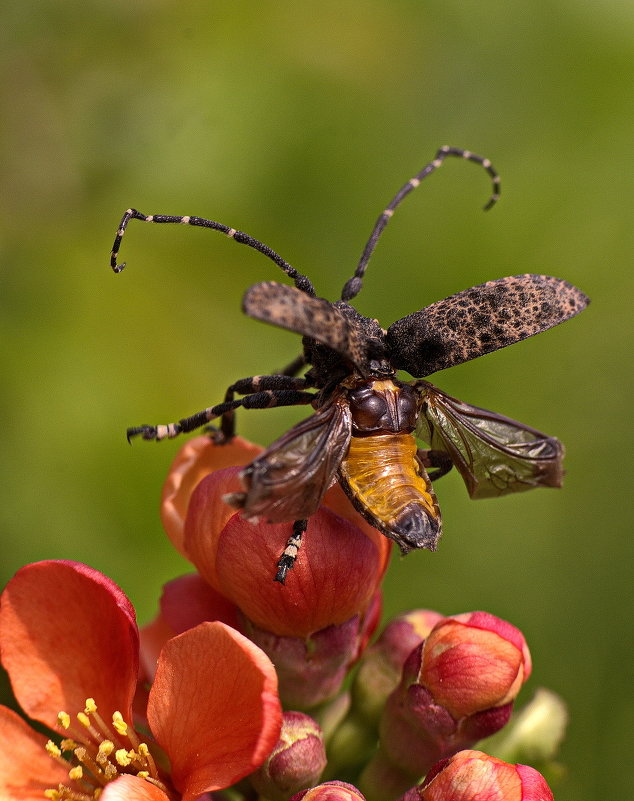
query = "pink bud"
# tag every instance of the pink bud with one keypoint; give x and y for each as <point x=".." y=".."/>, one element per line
<point x="474" y="662"/>
<point x="297" y="760"/>
<point x="474" y="776"/>
<point x="330" y="791"/>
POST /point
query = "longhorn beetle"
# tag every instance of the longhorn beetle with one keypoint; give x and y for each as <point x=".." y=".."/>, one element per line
<point x="365" y="421"/>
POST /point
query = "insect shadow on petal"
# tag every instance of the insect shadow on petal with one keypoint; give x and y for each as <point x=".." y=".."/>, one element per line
<point x="365" y="422"/>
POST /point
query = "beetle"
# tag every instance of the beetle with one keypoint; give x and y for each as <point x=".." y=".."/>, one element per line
<point x="366" y="419"/>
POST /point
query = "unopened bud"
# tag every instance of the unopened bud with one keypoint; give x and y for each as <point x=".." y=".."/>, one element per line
<point x="330" y="791"/>
<point x="457" y="687"/>
<point x="296" y="762"/>
<point x="475" y="776"/>
<point x="473" y="662"/>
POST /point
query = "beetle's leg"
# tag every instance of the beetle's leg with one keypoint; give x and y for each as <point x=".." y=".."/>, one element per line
<point x="265" y="399"/>
<point x="254" y="384"/>
<point x="295" y="366"/>
<point x="438" y="459"/>
<point x="287" y="560"/>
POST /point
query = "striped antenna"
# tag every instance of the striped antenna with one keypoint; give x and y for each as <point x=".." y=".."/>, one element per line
<point x="301" y="281"/>
<point x="352" y="287"/>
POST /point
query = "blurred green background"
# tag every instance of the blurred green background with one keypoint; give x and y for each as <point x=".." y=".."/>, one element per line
<point x="297" y="123"/>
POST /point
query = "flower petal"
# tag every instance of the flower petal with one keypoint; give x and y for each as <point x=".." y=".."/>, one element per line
<point x="131" y="788"/>
<point x="189" y="600"/>
<point x="214" y="708"/>
<point x="195" y="460"/>
<point x="68" y="633"/>
<point x="334" y="578"/>
<point x="186" y="601"/>
<point x="206" y="518"/>
<point x="26" y="770"/>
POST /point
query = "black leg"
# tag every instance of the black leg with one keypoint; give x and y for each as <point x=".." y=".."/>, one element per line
<point x="266" y="399"/>
<point x="254" y="384"/>
<point x="438" y="459"/>
<point x="295" y="366"/>
<point x="287" y="560"/>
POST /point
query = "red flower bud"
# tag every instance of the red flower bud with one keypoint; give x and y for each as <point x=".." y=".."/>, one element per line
<point x="457" y="687"/>
<point x="196" y="459"/>
<point x="337" y="573"/>
<point x="474" y="776"/>
<point x="334" y="578"/>
<point x="297" y="760"/>
<point x="330" y="791"/>
<point x="473" y="662"/>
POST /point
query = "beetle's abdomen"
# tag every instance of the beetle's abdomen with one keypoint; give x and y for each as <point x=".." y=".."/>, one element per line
<point x="388" y="485"/>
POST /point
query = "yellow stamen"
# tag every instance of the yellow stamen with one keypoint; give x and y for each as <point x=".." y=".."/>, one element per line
<point x="120" y="726"/>
<point x="110" y="772"/>
<point x="83" y="718"/>
<point x="91" y="706"/>
<point x="95" y="754"/>
<point x="144" y="751"/>
<point x="63" y="718"/>
<point x="68" y="745"/>
<point x="52" y="749"/>
<point x="123" y="758"/>
<point x="106" y="747"/>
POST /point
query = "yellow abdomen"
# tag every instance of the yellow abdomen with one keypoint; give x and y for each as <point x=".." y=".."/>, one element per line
<point x="388" y="485"/>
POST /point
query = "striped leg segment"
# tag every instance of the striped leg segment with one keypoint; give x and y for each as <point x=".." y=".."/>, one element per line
<point x="256" y="384"/>
<point x="266" y="399"/>
<point x="287" y="560"/>
<point x="301" y="281"/>
<point x="353" y="285"/>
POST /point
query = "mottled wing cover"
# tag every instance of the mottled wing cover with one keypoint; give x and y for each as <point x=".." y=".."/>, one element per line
<point x="317" y="318"/>
<point x="480" y="320"/>
<point x="288" y="480"/>
<point x="494" y="454"/>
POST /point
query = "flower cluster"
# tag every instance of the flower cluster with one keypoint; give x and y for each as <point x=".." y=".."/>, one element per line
<point x="241" y="682"/>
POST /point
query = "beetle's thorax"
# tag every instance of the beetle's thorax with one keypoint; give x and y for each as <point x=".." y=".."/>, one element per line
<point x="382" y="406"/>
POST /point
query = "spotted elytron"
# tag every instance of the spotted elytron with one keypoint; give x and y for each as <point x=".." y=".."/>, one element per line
<point x="364" y="427"/>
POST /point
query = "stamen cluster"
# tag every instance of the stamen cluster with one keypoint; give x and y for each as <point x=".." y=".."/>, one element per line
<point x="98" y="754"/>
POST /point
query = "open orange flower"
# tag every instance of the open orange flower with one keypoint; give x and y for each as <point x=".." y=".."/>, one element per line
<point x="70" y="645"/>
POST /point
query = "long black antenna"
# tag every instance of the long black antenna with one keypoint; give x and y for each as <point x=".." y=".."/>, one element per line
<point x="352" y="287"/>
<point x="301" y="281"/>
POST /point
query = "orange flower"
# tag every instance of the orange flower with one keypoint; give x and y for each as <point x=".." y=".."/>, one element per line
<point x="69" y="643"/>
<point x="474" y="776"/>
